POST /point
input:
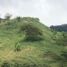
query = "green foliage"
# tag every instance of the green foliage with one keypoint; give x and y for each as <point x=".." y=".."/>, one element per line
<point x="32" y="33"/>
<point x="30" y="19"/>
<point x="60" y="28"/>
<point x="18" y="19"/>
<point x="18" y="65"/>
<point x="0" y="20"/>
<point x="60" y="38"/>
<point x="17" y="47"/>
<point x="7" y="16"/>
<point x="49" y="52"/>
<point x="64" y="55"/>
<point x="6" y="64"/>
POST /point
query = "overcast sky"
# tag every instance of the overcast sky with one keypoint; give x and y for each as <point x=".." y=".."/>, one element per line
<point x="50" y="12"/>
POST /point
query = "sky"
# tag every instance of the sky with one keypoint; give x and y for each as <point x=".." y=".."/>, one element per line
<point x="50" y="12"/>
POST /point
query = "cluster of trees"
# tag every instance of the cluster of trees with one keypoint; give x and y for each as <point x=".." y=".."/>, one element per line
<point x="60" y="28"/>
<point x="6" y="17"/>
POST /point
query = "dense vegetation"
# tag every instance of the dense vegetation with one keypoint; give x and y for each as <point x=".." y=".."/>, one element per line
<point x="32" y="33"/>
<point x="25" y="42"/>
<point x="60" y="28"/>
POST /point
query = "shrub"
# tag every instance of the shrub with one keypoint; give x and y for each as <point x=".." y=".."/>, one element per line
<point x="61" y="39"/>
<point x="18" y="65"/>
<point x="32" y="33"/>
<point x="64" y="55"/>
<point x="6" y="64"/>
<point x="17" y="47"/>
<point x="18" y="19"/>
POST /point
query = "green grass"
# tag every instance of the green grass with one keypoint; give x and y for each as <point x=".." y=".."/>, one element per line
<point x="31" y="52"/>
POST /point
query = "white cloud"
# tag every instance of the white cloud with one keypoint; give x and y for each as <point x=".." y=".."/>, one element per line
<point x="50" y="12"/>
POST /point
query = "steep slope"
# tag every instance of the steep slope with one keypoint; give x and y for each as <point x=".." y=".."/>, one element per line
<point x="32" y="54"/>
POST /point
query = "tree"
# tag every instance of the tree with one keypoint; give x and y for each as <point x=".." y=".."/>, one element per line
<point x="19" y="18"/>
<point x="7" y="16"/>
<point x="0" y="20"/>
<point x="32" y="33"/>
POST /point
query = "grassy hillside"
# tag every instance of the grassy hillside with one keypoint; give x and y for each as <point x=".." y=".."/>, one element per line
<point x="44" y="53"/>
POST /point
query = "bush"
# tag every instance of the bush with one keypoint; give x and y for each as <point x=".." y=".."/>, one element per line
<point x="61" y="39"/>
<point x="32" y="33"/>
<point x="18" y="65"/>
<point x="18" y="19"/>
<point x="64" y="55"/>
<point x="6" y="64"/>
<point x="17" y="47"/>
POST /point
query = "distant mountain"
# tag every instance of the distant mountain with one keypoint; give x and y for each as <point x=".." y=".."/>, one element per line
<point x="60" y="27"/>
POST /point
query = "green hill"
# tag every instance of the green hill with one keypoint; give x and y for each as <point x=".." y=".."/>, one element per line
<point x="49" y="52"/>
